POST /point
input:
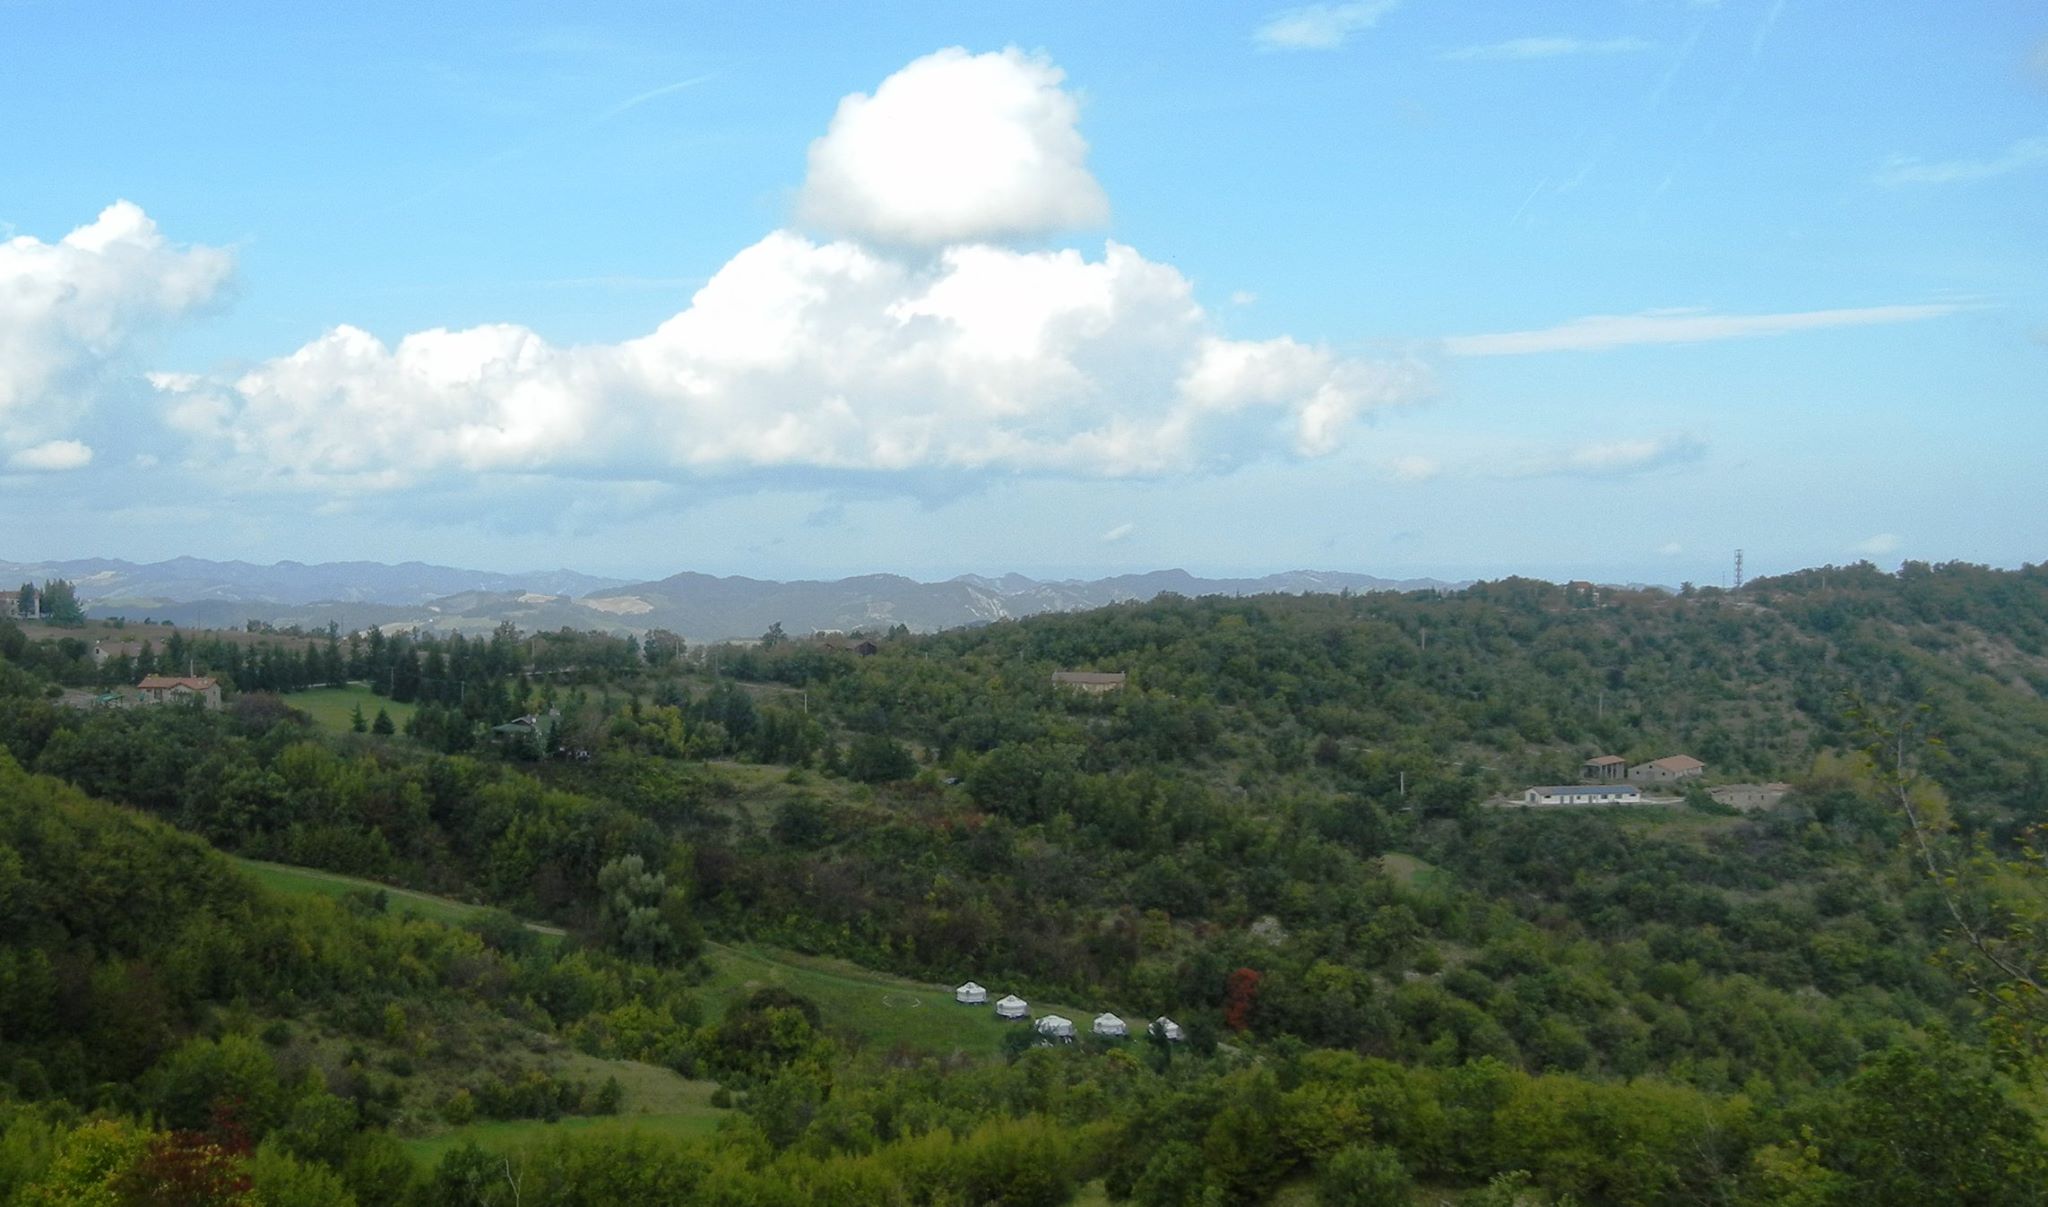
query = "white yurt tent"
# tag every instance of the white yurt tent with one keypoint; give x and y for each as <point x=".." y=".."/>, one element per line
<point x="1052" y="1026"/>
<point x="1110" y="1024"/>
<point x="1013" y="1006"/>
<point x="970" y="994"/>
<point x="1167" y="1029"/>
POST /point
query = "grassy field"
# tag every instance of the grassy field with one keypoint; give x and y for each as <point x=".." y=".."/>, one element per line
<point x="288" y="879"/>
<point x="330" y="707"/>
<point x="1409" y="871"/>
<point x="759" y="790"/>
<point x="513" y="1134"/>
<point x="881" y="1011"/>
<point x="884" y="1012"/>
<point x="657" y="1100"/>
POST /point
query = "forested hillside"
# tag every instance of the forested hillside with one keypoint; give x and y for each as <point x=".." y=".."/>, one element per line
<point x="1276" y="832"/>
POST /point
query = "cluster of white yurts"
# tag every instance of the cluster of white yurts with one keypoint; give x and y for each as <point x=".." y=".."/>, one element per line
<point x="1055" y="1027"/>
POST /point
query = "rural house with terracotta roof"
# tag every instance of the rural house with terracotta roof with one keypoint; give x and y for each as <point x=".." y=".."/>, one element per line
<point x="1604" y="768"/>
<point x="176" y="689"/>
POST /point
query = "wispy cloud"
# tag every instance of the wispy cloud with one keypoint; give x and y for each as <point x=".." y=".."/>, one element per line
<point x="1321" y="26"/>
<point x="1907" y="170"/>
<point x="1621" y="457"/>
<point x="54" y="456"/>
<point x="1882" y="543"/>
<point x="1119" y="533"/>
<point x="1764" y="28"/>
<point x="1414" y="468"/>
<point x="555" y="132"/>
<point x="1600" y="331"/>
<point x="632" y="103"/>
<point x="1547" y="48"/>
<point x="618" y="281"/>
<point x="1606" y="459"/>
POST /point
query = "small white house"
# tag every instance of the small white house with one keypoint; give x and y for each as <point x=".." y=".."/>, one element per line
<point x="1012" y="1006"/>
<point x="1584" y="794"/>
<point x="970" y="994"/>
<point x="1110" y="1024"/>
<point x="1053" y="1026"/>
<point x="1167" y="1029"/>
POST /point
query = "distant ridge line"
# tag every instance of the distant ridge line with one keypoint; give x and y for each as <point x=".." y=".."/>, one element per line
<point x="700" y="607"/>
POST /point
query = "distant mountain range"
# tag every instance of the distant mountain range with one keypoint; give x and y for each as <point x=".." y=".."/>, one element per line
<point x="109" y="582"/>
<point x="701" y="607"/>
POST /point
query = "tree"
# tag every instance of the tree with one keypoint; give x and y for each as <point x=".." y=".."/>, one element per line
<point x="1997" y="908"/>
<point x="774" y="636"/>
<point x="1240" y="995"/>
<point x="60" y="604"/>
<point x="382" y="725"/>
<point x="1364" y="1175"/>
<point x="1934" y="1127"/>
<point x="661" y="648"/>
<point x="640" y="916"/>
<point x="878" y="759"/>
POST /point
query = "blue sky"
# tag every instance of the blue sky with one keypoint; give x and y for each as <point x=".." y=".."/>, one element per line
<point x="1603" y="290"/>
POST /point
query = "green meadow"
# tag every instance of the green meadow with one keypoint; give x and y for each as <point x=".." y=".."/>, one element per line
<point x="331" y="707"/>
<point x="286" y="878"/>
<point x="875" y="1010"/>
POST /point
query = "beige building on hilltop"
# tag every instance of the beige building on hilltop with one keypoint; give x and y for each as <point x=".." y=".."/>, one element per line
<point x="1667" y="770"/>
<point x="1092" y="682"/>
<point x="1750" y="796"/>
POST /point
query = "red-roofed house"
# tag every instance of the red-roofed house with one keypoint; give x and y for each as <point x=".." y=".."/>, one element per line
<point x="1603" y="768"/>
<point x="176" y="689"/>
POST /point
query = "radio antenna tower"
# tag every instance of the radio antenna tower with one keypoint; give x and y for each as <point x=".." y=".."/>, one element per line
<point x="1738" y="569"/>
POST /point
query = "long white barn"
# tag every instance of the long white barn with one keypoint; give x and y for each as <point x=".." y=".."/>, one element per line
<point x="1584" y="794"/>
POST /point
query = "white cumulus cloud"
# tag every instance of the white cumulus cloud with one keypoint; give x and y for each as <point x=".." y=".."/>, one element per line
<point x="52" y="456"/>
<point x="73" y="311"/>
<point x="954" y="147"/>
<point x="912" y="343"/>
<point x="1321" y="26"/>
<point x="817" y="355"/>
